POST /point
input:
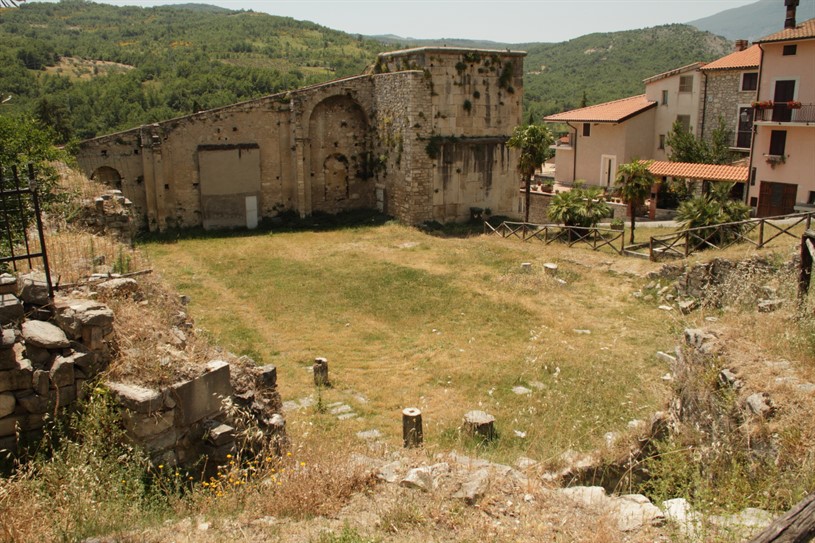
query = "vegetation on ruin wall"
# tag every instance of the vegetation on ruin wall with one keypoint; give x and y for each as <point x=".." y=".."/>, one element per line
<point x="159" y="62"/>
<point x="89" y="69"/>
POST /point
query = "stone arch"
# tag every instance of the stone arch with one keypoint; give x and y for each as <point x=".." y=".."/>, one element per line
<point x="339" y="150"/>
<point x="108" y="176"/>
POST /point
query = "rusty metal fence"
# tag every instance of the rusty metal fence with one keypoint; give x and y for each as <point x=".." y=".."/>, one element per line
<point x="19" y="213"/>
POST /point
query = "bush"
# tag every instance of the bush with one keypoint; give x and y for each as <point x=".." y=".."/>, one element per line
<point x="581" y="206"/>
<point x="710" y="210"/>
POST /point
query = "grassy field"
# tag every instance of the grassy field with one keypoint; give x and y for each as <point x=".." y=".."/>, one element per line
<point x="443" y="324"/>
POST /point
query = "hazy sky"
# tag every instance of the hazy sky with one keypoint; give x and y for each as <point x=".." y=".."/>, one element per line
<point x="510" y="21"/>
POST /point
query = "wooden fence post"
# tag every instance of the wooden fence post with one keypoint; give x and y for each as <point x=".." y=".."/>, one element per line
<point x="805" y="274"/>
<point x="798" y="525"/>
<point x="412" y="427"/>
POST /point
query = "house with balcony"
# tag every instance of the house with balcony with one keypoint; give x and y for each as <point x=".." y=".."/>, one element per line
<point x="782" y="157"/>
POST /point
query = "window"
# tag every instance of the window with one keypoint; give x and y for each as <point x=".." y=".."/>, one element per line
<point x="744" y="127"/>
<point x="686" y="83"/>
<point x="778" y="142"/>
<point x="811" y="199"/>
<point x="749" y="81"/>
<point x="662" y="141"/>
<point x="684" y="120"/>
<point x="586" y="130"/>
<point x="790" y="50"/>
<point x="664" y="98"/>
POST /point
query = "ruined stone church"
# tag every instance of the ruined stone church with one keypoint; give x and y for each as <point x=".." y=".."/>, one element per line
<point x="421" y="137"/>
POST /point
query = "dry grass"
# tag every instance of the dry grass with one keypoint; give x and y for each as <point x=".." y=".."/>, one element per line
<point x="446" y="325"/>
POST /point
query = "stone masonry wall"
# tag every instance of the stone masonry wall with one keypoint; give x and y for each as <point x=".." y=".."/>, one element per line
<point x="45" y="365"/>
<point x="424" y="139"/>
<point x="723" y="95"/>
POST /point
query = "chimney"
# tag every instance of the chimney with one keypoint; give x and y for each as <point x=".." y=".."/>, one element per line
<point x="789" y="22"/>
<point x="741" y="45"/>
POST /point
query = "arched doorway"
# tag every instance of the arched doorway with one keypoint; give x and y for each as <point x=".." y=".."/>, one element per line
<point x="108" y="176"/>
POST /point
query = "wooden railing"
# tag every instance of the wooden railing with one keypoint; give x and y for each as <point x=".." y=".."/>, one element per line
<point x="593" y="237"/>
<point x="757" y="232"/>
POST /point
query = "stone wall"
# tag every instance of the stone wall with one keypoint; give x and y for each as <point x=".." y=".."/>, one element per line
<point x="424" y="139"/>
<point x="722" y="98"/>
<point x="45" y="365"/>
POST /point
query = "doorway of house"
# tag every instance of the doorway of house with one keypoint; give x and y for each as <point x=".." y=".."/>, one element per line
<point x="608" y="170"/>
<point x="784" y="92"/>
<point x="776" y="199"/>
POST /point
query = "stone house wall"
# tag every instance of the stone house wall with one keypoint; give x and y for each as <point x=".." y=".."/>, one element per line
<point x="723" y="96"/>
<point x="423" y="139"/>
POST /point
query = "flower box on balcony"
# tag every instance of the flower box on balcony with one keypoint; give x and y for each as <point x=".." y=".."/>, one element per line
<point x="766" y="104"/>
<point x="772" y="160"/>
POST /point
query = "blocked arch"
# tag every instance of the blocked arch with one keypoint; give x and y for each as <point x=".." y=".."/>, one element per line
<point x="108" y="176"/>
<point x="339" y="148"/>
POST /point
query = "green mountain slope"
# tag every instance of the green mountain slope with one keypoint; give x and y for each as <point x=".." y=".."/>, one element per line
<point x="753" y="21"/>
<point x="611" y="65"/>
<point x="87" y="69"/>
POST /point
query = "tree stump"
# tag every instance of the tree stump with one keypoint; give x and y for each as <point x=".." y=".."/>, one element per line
<point x="320" y="369"/>
<point x="550" y="267"/>
<point x="412" y="427"/>
<point x="479" y="423"/>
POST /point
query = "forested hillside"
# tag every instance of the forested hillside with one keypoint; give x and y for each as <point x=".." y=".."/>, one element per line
<point x="87" y="69"/>
<point x="610" y="65"/>
<point x="159" y="62"/>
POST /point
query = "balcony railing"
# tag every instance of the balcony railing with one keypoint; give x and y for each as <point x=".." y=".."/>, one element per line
<point x="783" y="113"/>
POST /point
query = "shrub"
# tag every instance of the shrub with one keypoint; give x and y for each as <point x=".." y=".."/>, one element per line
<point x="581" y="206"/>
<point x="712" y="209"/>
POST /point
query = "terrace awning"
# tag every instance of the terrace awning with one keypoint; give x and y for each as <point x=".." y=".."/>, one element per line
<point x="702" y="172"/>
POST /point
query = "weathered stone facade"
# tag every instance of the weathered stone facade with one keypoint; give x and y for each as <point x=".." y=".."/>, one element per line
<point x="724" y="98"/>
<point x="422" y="137"/>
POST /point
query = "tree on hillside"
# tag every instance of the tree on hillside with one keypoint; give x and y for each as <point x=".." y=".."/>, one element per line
<point x="24" y="141"/>
<point x="533" y="142"/>
<point x="635" y="181"/>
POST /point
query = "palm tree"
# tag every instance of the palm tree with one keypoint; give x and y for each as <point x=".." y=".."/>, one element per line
<point x="533" y="142"/>
<point x="635" y="181"/>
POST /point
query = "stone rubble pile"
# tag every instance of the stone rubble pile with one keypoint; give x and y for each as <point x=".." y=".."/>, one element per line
<point x="110" y="214"/>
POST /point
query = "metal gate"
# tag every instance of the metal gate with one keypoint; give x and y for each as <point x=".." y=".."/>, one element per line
<point x="19" y="209"/>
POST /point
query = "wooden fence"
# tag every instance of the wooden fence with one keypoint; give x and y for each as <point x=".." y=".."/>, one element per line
<point x="593" y="237"/>
<point x="758" y="232"/>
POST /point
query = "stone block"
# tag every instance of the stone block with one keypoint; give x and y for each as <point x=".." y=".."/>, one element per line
<point x="268" y="376"/>
<point x="201" y="397"/>
<point x="7" y="339"/>
<point x="38" y="356"/>
<point x="35" y="403"/>
<point x="62" y="372"/>
<point x="34" y="289"/>
<point x="161" y="442"/>
<point x="135" y="398"/>
<point x="16" y="379"/>
<point x="8" y="359"/>
<point x="93" y="338"/>
<point x="11" y="309"/>
<point x="44" y="335"/>
<point x="73" y="314"/>
<point x="8" y="284"/>
<point x="118" y="287"/>
<point x="144" y="426"/>
<point x="24" y="423"/>
<point x="7" y="404"/>
<point x="221" y="435"/>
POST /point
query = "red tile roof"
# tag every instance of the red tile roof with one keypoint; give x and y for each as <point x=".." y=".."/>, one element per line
<point x="749" y="58"/>
<point x="609" y="112"/>
<point x="675" y="71"/>
<point x="707" y="172"/>
<point x="805" y="30"/>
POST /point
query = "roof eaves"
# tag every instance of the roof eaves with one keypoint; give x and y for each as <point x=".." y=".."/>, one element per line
<point x="676" y="71"/>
